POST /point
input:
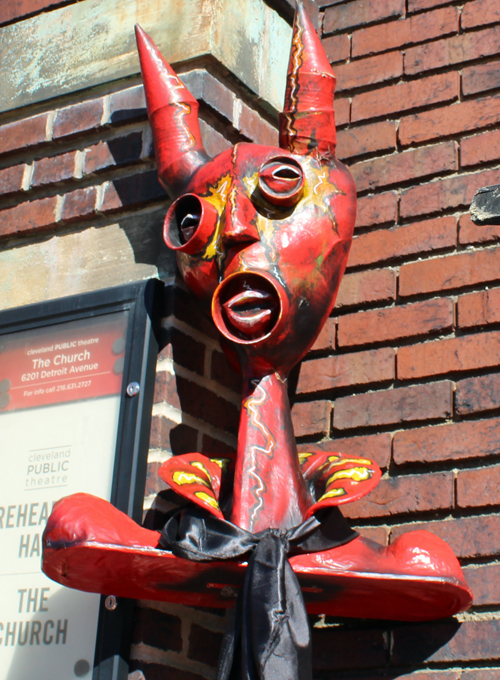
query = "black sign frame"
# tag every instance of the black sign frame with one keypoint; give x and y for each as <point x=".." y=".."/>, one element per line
<point x="144" y="302"/>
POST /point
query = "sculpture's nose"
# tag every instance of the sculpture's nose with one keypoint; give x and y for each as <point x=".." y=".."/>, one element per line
<point x="240" y="217"/>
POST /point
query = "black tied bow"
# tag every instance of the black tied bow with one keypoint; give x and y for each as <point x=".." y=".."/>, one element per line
<point x="268" y="630"/>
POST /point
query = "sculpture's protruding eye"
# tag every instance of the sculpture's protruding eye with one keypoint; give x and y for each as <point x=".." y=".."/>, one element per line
<point x="281" y="181"/>
<point x="189" y="224"/>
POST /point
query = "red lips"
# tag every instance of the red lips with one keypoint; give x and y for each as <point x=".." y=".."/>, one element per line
<point x="251" y="312"/>
<point x="246" y="307"/>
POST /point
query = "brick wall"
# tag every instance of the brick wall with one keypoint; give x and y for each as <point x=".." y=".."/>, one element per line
<point x="406" y="369"/>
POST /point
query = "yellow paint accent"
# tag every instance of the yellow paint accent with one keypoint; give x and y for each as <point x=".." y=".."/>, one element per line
<point x="336" y="460"/>
<point x="223" y="463"/>
<point x="303" y="457"/>
<point x="334" y="493"/>
<point x="318" y="187"/>
<point x="180" y="477"/>
<point x="209" y="500"/>
<point x="251" y="182"/>
<point x="357" y="474"/>
<point x="217" y="195"/>
<point x="200" y="466"/>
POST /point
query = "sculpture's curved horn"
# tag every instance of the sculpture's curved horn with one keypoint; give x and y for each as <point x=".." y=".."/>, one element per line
<point x="307" y="124"/>
<point x="173" y="114"/>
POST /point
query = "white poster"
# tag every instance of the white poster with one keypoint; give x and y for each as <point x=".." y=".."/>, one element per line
<point x="59" y="407"/>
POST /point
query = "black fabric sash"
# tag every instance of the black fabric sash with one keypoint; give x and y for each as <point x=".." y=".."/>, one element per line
<point x="268" y="636"/>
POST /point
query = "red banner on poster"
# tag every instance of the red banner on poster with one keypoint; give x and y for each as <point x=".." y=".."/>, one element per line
<point x="65" y="362"/>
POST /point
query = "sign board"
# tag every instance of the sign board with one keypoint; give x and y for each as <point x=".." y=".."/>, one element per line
<point x="63" y="412"/>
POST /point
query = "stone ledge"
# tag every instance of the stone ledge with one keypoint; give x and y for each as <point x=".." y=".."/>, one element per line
<point x="92" y="42"/>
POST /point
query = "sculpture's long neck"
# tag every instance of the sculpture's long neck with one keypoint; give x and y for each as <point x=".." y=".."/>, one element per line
<point x="269" y="490"/>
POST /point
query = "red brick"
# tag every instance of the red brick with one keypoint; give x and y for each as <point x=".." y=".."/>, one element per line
<point x="367" y="139"/>
<point x="453" y="271"/>
<point x="478" y="488"/>
<point x="79" y="204"/>
<point x="479" y="309"/>
<point x="468" y="537"/>
<point x="78" y="118"/>
<point x="450" y="120"/>
<point x="394" y="323"/>
<point x="341" y="650"/>
<point x="127" y="105"/>
<point x="337" y="47"/>
<point x="404" y="96"/>
<point x="377" y="534"/>
<point x="166" y="389"/>
<point x="359" y="12"/>
<point x="481" y="78"/>
<point x="377" y="209"/>
<point x="452" y="192"/>
<point x="187" y="352"/>
<point x="342" y="111"/>
<point x="401" y="405"/>
<point x="326" y="337"/>
<point x="23" y="133"/>
<point x="17" y="9"/>
<point x="401" y="167"/>
<point x="186" y="309"/>
<point x="311" y="417"/>
<point x="154" y="483"/>
<point x="196" y="400"/>
<point x="376" y="447"/>
<point x="213" y="446"/>
<point x="369" y="71"/>
<point x="455" y="50"/>
<point x="419" y="237"/>
<point x="480" y="149"/>
<point x="221" y="372"/>
<point x="479" y="13"/>
<point x="157" y="629"/>
<point x="390" y="36"/>
<point x="113" y="153"/>
<point x="452" y="642"/>
<point x="411" y="493"/>
<point x="484" y="581"/>
<point x="214" y="142"/>
<point x="433" y="675"/>
<point x="256" y="128"/>
<point x="477" y="395"/>
<point x="213" y="92"/>
<point x="342" y="370"/>
<point x="29" y="216"/>
<point x="204" y="645"/>
<point x="418" y="5"/>
<point x="482" y="674"/>
<point x="170" y="436"/>
<point x="469" y="233"/>
<point x="375" y="285"/>
<point x="11" y="179"/>
<point x="125" y="192"/>
<point x="456" y="441"/>
<point x="466" y="353"/>
<point x="54" y="169"/>
<point x="204" y="404"/>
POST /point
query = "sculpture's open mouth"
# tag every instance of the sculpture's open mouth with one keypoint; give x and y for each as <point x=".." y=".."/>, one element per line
<point x="246" y="307"/>
<point x="251" y="312"/>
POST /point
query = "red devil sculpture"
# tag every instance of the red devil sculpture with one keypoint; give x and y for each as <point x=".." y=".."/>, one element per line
<point x="262" y="237"/>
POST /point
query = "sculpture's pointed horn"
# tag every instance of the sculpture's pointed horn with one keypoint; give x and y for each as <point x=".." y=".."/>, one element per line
<point x="307" y="124"/>
<point x="173" y="114"/>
